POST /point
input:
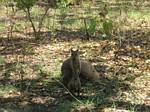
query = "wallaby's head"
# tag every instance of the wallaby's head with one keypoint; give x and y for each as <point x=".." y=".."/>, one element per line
<point x="75" y="53"/>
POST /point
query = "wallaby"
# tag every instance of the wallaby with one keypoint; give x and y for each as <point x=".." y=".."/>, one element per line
<point x="75" y="61"/>
<point x="87" y="71"/>
<point x="74" y="85"/>
<point x="71" y="78"/>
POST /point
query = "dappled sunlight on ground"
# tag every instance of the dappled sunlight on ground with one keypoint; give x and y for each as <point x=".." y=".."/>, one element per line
<point x="30" y="70"/>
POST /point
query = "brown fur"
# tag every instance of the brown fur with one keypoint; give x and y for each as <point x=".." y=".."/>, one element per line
<point x="74" y="68"/>
<point x="87" y="71"/>
<point x="71" y="78"/>
<point x="74" y="85"/>
<point x="75" y="62"/>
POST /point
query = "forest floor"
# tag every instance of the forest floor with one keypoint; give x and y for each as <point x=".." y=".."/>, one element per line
<point x="28" y="69"/>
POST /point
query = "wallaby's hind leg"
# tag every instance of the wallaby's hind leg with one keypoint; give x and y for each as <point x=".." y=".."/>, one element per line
<point x="64" y="81"/>
<point x="66" y="76"/>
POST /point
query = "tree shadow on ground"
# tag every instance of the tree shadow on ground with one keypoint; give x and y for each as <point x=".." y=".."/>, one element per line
<point x="26" y="46"/>
<point x="33" y="96"/>
<point x="131" y="46"/>
<point x="108" y="90"/>
<point x="38" y="95"/>
<point x="64" y="34"/>
<point x="18" y="46"/>
<point x="44" y="94"/>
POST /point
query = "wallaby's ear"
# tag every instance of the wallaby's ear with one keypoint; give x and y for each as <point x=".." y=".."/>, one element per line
<point x="71" y="50"/>
<point x="76" y="48"/>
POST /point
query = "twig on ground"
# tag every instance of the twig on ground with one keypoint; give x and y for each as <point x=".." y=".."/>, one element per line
<point x="67" y="90"/>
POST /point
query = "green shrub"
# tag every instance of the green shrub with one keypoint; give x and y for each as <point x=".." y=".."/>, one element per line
<point x="2" y="61"/>
<point x="91" y="27"/>
<point x="25" y="3"/>
<point x="107" y="27"/>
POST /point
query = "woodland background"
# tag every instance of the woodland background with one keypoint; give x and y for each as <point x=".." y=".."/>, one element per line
<point x="35" y="39"/>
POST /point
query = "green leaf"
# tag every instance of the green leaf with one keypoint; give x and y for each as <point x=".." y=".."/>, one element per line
<point x="2" y="61"/>
<point x="92" y="26"/>
<point x="69" y="21"/>
<point x="107" y="27"/>
<point x="65" y="3"/>
<point x="25" y="3"/>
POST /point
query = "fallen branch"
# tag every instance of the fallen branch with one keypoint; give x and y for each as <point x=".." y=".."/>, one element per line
<point x="67" y="90"/>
